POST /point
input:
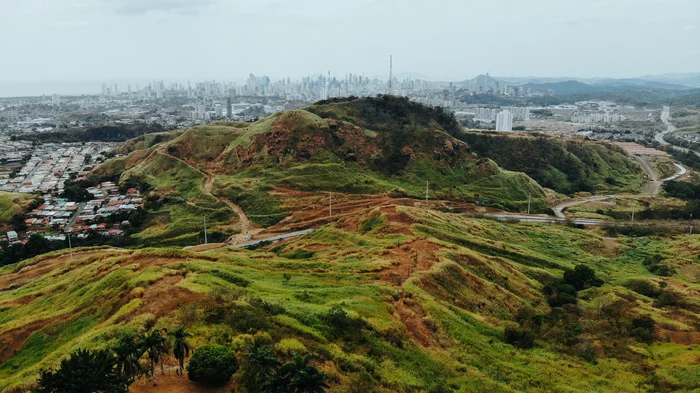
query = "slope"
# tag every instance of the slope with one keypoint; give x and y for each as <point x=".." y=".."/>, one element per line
<point x="369" y="146"/>
<point x="425" y="295"/>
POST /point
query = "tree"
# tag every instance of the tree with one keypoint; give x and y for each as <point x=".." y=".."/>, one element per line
<point x="84" y="372"/>
<point x="212" y="364"/>
<point x="298" y="376"/>
<point x="181" y="349"/>
<point x="643" y="328"/>
<point x="153" y="344"/>
<point x="582" y="277"/>
<point x="128" y="353"/>
<point x="259" y="366"/>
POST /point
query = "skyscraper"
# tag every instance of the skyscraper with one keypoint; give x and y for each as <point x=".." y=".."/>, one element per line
<point x="504" y="121"/>
<point x="229" y="111"/>
<point x="56" y="100"/>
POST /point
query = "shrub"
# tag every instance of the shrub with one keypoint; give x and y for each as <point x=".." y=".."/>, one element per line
<point x="519" y="338"/>
<point x="643" y="328"/>
<point x="212" y="365"/>
<point x="582" y="277"/>
<point x="560" y="294"/>
<point x="644" y="287"/>
<point x="84" y="371"/>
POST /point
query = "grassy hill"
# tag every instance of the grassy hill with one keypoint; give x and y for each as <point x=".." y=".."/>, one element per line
<point x="10" y="205"/>
<point x="369" y="146"/>
<point x="566" y="166"/>
<point x="427" y="299"/>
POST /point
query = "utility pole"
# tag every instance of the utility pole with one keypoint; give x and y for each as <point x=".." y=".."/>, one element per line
<point x="528" y="203"/>
<point x="70" y="247"/>
<point x="426" y="191"/>
<point x="205" y="230"/>
<point x="330" y="204"/>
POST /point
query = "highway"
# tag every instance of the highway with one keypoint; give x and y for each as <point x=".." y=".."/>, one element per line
<point x="666" y="119"/>
<point x="546" y="220"/>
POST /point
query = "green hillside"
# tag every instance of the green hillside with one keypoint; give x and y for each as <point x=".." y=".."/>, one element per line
<point x="564" y="165"/>
<point x="395" y="299"/>
<point x="383" y="145"/>
<point x="11" y="205"/>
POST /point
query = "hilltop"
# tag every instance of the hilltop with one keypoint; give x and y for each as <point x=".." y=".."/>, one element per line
<point x="379" y="146"/>
<point x="393" y="298"/>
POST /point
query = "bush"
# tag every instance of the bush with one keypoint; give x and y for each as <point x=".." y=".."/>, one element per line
<point x="582" y="277"/>
<point x="212" y="365"/>
<point x="644" y="287"/>
<point x="519" y="338"/>
<point x="643" y="328"/>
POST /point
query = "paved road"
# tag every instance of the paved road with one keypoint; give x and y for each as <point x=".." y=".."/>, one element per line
<point x="547" y="220"/>
<point x="559" y="208"/>
<point x="272" y="239"/>
<point x="681" y="171"/>
<point x="78" y="212"/>
<point x="666" y="119"/>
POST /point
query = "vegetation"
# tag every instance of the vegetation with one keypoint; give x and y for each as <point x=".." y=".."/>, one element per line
<point x="566" y="166"/>
<point x="423" y="299"/>
<point x="84" y="372"/>
<point x="212" y="365"/>
<point x="105" y="133"/>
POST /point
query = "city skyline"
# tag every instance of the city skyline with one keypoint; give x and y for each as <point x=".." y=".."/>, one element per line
<point x="73" y="40"/>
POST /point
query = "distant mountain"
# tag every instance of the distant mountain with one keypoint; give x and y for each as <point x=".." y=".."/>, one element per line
<point x="561" y="88"/>
<point x="691" y="79"/>
<point x="638" y="82"/>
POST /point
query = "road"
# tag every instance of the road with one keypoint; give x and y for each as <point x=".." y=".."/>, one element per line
<point x="682" y="171"/>
<point x="666" y="119"/>
<point x="653" y="186"/>
<point x="78" y="212"/>
<point x="271" y="239"/>
<point x="559" y="208"/>
<point x="546" y="220"/>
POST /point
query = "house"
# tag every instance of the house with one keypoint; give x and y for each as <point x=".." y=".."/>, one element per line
<point x="12" y="237"/>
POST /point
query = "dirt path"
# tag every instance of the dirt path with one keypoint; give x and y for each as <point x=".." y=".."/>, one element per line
<point x="652" y="187"/>
<point x="244" y="225"/>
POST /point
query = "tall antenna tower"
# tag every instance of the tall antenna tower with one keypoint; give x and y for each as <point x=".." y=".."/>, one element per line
<point x="391" y="70"/>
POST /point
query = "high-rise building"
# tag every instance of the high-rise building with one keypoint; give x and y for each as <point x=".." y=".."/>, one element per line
<point x="504" y="121"/>
<point x="229" y="109"/>
<point x="56" y="100"/>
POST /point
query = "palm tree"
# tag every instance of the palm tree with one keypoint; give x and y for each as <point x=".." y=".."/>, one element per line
<point x="260" y="365"/>
<point x="298" y="376"/>
<point x="181" y="348"/>
<point x="128" y="354"/>
<point x="153" y="344"/>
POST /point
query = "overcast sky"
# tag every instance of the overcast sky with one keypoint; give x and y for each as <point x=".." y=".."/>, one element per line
<point x="71" y="40"/>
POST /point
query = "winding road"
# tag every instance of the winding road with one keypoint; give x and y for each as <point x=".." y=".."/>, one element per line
<point x="666" y="119"/>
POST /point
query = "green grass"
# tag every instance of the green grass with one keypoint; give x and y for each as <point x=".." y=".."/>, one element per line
<point x="484" y="272"/>
<point x="11" y="205"/>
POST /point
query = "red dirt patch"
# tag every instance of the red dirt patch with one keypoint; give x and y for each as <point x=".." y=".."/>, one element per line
<point x="12" y="341"/>
<point x="419" y="327"/>
<point x="164" y="296"/>
<point x="173" y="383"/>
<point x="417" y="255"/>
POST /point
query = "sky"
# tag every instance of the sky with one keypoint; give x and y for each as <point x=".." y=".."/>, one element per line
<point x="74" y="41"/>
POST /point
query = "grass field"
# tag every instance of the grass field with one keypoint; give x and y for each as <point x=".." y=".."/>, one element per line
<point x="432" y="293"/>
<point x="10" y="205"/>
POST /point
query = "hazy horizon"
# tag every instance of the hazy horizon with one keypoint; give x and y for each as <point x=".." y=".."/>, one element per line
<point x="68" y="41"/>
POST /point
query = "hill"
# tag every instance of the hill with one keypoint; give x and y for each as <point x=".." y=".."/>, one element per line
<point x="564" y="165"/>
<point x="383" y="145"/>
<point x="12" y="205"/>
<point x="391" y="299"/>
